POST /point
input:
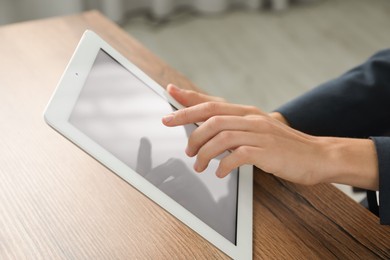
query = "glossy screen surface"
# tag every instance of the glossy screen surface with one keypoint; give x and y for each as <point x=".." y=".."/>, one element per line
<point x="123" y="115"/>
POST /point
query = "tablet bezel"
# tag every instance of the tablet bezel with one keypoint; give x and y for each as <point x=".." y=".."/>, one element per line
<point x="57" y="115"/>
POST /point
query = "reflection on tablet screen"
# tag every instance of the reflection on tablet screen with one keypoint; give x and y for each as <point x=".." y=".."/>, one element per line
<point x="123" y="115"/>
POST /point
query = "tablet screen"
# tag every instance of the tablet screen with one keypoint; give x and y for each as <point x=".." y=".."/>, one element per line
<point x="123" y="115"/>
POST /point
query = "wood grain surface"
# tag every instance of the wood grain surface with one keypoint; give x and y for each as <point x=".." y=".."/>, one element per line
<point x="56" y="202"/>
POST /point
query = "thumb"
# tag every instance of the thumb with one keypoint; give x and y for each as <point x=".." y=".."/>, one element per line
<point x="189" y="97"/>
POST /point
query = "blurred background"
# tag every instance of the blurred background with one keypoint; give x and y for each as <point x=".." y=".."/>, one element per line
<point x="258" y="52"/>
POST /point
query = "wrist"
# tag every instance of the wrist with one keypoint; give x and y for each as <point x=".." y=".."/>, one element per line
<point x="350" y="161"/>
<point x="278" y="116"/>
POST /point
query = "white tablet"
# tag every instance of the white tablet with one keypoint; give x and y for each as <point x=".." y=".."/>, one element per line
<point x="112" y="110"/>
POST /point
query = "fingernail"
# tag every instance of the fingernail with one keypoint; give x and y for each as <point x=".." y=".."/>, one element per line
<point x="174" y="88"/>
<point x="197" y="166"/>
<point x="218" y="173"/>
<point x="188" y="152"/>
<point x="168" y="118"/>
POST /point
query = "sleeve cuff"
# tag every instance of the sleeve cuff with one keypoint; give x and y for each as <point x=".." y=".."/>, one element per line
<point x="382" y="145"/>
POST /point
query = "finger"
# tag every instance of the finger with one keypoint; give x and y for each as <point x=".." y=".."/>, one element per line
<point x="242" y="155"/>
<point x="217" y="124"/>
<point x="189" y="97"/>
<point x="203" y="111"/>
<point x="224" y="141"/>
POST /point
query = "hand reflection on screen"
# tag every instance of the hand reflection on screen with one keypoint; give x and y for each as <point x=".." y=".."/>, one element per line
<point x="180" y="183"/>
<point x="174" y="178"/>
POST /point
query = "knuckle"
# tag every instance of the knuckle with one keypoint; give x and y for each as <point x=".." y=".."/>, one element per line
<point x="219" y="99"/>
<point x="263" y="123"/>
<point x="193" y="94"/>
<point x="243" y="152"/>
<point x="225" y="136"/>
<point x="211" y="107"/>
<point x="183" y="115"/>
<point x="214" y="122"/>
<point x="258" y="120"/>
<point x="253" y="110"/>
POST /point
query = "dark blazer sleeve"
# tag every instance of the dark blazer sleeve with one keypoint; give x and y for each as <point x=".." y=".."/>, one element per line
<point x="382" y="145"/>
<point x="356" y="104"/>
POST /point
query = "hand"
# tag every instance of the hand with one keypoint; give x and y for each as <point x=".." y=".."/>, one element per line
<point x="254" y="137"/>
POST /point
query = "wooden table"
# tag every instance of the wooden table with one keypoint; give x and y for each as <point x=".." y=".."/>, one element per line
<point x="56" y="202"/>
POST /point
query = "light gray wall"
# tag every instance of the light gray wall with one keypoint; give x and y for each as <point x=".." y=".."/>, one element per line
<point x="19" y="10"/>
<point x="6" y="11"/>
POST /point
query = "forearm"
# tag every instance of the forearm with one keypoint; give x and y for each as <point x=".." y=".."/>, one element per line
<point x="350" y="161"/>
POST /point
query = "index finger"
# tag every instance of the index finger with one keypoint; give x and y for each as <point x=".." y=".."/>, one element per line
<point x="202" y="112"/>
<point x="189" y="97"/>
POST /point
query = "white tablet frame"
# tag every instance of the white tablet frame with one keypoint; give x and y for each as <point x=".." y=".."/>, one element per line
<point x="57" y="115"/>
